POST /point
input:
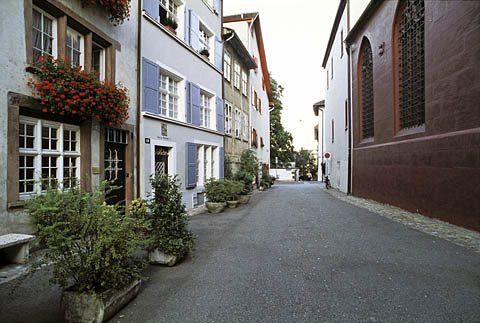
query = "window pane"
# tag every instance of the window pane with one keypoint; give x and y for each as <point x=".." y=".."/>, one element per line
<point x="47" y="26"/>
<point x="36" y="20"/>
<point x="29" y="143"/>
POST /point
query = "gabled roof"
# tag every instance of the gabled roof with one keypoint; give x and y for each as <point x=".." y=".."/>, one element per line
<point x="336" y="22"/>
<point x="253" y="17"/>
<point x="230" y="36"/>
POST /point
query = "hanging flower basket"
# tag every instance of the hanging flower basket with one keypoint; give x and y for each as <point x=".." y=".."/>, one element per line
<point x="70" y="91"/>
<point x="119" y="10"/>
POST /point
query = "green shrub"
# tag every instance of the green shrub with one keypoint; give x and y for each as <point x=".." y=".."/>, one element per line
<point x="216" y="191"/>
<point x="167" y="217"/>
<point x="233" y="189"/>
<point x="249" y="162"/>
<point x="90" y="244"/>
<point x="246" y="179"/>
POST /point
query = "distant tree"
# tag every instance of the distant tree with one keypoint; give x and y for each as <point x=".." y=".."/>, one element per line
<point x="305" y="162"/>
<point x="281" y="141"/>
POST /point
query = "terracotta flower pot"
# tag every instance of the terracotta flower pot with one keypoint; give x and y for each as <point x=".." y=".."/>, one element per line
<point x="173" y="31"/>
<point x="215" y="207"/>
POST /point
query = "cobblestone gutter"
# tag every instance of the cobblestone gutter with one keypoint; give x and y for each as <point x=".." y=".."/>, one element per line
<point x="458" y="235"/>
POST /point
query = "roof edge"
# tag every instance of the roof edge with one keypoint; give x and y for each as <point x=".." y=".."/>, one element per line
<point x="336" y="22"/>
<point x="366" y="15"/>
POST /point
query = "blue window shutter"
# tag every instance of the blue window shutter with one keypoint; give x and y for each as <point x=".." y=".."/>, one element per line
<point x="151" y="6"/>
<point x="222" y="163"/>
<point x="191" y="163"/>
<point x="150" y="78"/>
<point x="216" y="6"/>
<point x="194" y="31"/>
<point x="220" y="115"/>
<point x="218" y="53"/>
<point x="195" y="100"/>
<point x="188" y="106"/>
<point x="187" y="25"/>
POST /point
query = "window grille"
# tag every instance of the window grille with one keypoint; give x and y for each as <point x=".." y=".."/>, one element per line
<point x="412" y="64"/>
<point x="367" y="91"/>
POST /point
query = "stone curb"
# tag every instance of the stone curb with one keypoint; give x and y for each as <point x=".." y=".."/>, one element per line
<point x="457" y="235"/>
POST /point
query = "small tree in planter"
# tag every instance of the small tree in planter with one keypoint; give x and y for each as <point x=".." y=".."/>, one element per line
<point x="249" y="166"/>
<point x="247" y="180"/>
<point x="216" y="194"/>
<point x="90" y="245"/>
<point x="171" y="24"/>
<point x="171" y="239"/>
<point x="233" y="189"/>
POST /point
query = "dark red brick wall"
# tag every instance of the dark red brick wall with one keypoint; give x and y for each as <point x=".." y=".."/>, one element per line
<point x="434" y="170"/>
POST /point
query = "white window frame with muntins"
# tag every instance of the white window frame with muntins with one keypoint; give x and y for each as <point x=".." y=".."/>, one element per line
<point x="171" y="7"/>
<point x="205" y="109"/>
<point x="238" y="122"/>
<point x="169" y="97"/>
<point x="244" y="83"/>
<point x="44" y="33"/>
<point x="48" y="151"/>
<point x="205" y="37"/>
<point x="228" y="118"/>
<point x="245" y="126"/>
<point x="227" y="66"/>
<point x="207" y="159"/>
<point x="236" y="74"/>
<point x="74" y="47"/>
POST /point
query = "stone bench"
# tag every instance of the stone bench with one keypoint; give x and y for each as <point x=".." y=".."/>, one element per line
<point x="14" y="248"/>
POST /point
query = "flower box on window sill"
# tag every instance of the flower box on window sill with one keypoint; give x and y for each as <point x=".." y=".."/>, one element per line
<point x="170" y="29"/>
<point x="70" y="91"/>
<point x="118" y="10"/>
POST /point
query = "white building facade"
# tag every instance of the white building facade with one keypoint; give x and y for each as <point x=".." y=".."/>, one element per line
<point x="182" y="118"/>
<point x="337" y="116"/>
<point x="248" y="28"/>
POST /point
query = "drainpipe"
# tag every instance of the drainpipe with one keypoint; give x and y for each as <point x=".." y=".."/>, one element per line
<point x="349" y="121"/>
<point x="139" y="96"/>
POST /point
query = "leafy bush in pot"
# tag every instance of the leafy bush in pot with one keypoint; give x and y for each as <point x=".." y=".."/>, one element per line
<point x="246" y="179"/>
<point x="90" y="244"/>
<point x="216" y="191"/>
<point x="168" y="218"/>
<point x="233" y="189"/>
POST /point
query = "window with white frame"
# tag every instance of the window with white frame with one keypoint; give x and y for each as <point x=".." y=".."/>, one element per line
<point x="168" y="95"/>
<point x="205" y="37"/>
<point x="236" y="75"/>
<point x="98" y="61"/>
<point x="206" y="163"/>
<point x="228" y="118"/>
<point x="168" y="11"/>
<point x="43" y="35"/>
<point x="49" y="153"/>
<point x="227" y="66"/>
<point x="245" y="126"/>
<point x="74" y="47"/>
<point x="238" y="122"/>
<point x="205" y="109"/>
<point x="244" y="83"/>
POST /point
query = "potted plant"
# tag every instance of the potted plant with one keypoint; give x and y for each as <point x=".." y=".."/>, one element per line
<point x="171" y="240"/>
<point x="249" y="166"/>
<point x="216" y="194"/>
<point x="233" y="190"/>
<point x="204" y="52"/>
<point x="90" y="246"/>
<point x="171" y="24"/>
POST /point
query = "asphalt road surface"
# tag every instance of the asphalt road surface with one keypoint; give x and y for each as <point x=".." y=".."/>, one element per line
<point x="294" y="254"/>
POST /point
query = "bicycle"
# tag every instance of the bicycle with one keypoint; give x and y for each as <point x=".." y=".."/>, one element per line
<point x="327" y="183"/>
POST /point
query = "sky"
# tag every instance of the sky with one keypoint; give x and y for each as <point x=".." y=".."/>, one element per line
<point x="295" y="36"/>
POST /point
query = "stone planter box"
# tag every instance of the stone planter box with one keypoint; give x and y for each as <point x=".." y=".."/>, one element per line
<point x="243" y="199"/>
<point x="157" y="257"/>
<point x="232" y="204"/>
<point x="91" y="308"/>
<point x="214" y="207"/>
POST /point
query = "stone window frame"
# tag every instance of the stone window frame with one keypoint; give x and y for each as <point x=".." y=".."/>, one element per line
<point x="398" y="130"/>
<point x="360" y="62"/>
<point x="67" y="18"/>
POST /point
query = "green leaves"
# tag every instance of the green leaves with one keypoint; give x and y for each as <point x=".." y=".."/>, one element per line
<point x="89" y="243"/>
<point x="167" y="217"/>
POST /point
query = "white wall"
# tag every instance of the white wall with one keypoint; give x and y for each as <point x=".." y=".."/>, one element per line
<point x="336" y="95"/>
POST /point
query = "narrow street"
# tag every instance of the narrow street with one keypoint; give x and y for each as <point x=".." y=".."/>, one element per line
<point x="295" y="254"/>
